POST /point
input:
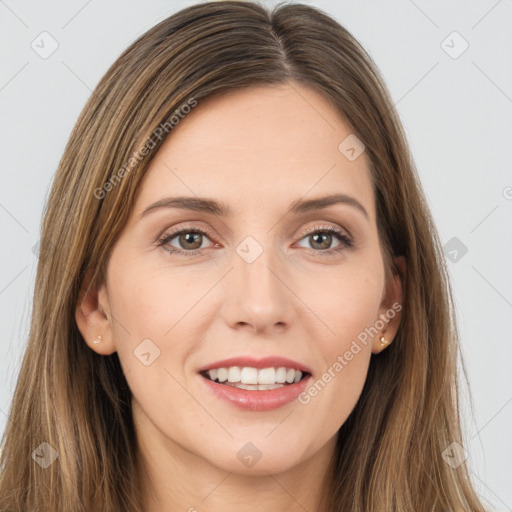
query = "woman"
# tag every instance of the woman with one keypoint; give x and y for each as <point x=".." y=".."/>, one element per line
<point x="241" y="301"/>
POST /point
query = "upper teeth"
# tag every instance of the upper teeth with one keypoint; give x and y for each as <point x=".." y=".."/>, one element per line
<point x="250" y="375"/>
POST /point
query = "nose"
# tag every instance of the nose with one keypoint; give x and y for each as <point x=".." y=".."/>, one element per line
<point x="257" y="296"/>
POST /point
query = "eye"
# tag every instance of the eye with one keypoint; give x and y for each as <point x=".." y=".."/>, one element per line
<point x="321" y="238"/>
<point x="190" y="239"/>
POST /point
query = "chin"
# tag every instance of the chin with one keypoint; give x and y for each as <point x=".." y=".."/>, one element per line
<point x="259" y="455"/>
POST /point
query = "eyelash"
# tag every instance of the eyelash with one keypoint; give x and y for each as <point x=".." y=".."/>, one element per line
<point x="346" y="242"/>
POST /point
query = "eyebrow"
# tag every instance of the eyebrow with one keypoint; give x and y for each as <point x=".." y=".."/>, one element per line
<point x="199" y="204"/>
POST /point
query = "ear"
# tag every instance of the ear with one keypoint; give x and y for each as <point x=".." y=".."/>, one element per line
<point x="390" y="310"/>
<point x="93" y="317"/>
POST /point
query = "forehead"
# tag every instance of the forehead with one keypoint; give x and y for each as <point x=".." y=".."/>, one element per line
<point x="264" y="145"/>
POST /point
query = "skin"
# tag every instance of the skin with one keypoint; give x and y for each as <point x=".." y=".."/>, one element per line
<point x="257" y="150"/>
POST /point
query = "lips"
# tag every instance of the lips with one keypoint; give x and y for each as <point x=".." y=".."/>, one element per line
<point x="248" y="387"/>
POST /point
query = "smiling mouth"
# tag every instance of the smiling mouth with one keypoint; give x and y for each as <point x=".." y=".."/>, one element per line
<point x="254" y="379"/>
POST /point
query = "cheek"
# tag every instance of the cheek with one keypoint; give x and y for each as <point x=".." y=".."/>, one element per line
<point x="347" y="302"/>
<point x="348" y="306"/>
<point x="152" y="318"/>
<point x="150" y="301"/>
<point x="155" y="330"/>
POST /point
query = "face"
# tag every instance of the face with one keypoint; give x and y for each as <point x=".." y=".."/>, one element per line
<point x="256" y="283"/>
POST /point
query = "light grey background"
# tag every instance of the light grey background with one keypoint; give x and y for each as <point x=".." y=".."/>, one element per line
<point x="457" y="113"/>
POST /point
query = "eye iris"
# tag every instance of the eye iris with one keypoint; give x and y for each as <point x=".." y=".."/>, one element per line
<point x="322" y="235"/>
<point x="186" y="238"/>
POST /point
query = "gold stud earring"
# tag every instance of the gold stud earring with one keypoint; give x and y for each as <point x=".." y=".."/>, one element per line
<point x="383" y="341"/>
<point x="99" y="339"/>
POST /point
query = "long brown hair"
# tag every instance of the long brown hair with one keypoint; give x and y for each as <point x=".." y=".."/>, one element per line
<point x="389" y="455"/>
